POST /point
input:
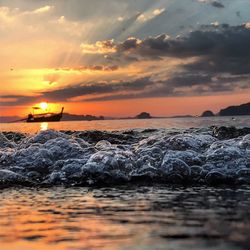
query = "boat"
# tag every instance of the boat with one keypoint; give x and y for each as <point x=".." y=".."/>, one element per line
<point x="45" y="117"/>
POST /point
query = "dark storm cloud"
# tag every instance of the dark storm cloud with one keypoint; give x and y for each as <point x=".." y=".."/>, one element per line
<point x="77" y="90"/>
<point x="217" y="4"/>
<point x="224" y="41"/>
<point x="238" y="14"/>
<point x="218" y="49"/>
<point x="214" y="64"/>
<point x="181" y="85"/>
<point x="221" y="63"/>
<point x="214" y="3"/>
<point x="96" y="88"/>
<point x="91" y="68"/>
<point x="17" y="100"/>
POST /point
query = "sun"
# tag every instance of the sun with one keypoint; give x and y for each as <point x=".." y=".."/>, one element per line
<point x="43" y="105"/>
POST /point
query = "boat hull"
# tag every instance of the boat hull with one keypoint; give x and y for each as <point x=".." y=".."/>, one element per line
<point x="53" y="118"/>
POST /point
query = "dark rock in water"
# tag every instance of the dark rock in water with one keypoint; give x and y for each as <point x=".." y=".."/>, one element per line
<point x="207" y="113"/>
<point x="223" y="132"/>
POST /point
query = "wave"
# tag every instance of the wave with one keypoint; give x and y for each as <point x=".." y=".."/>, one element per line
<point x="191" y="157"/>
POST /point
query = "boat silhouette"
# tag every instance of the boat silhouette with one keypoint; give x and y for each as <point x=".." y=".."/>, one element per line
<point x="45" y="117"/>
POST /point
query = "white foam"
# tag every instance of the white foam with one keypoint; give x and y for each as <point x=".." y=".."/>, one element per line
<point x="53" y="157"/>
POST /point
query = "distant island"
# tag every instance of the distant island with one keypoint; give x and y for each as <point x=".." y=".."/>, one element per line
<point x="243" y="109"/>
<point x="207" y="113"/>
<point x="143" y="115"/>
<point x="72" y="117"/>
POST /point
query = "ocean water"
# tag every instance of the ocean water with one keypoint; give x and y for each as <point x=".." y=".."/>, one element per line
<point x="111" y="125"/>
<point x="125" y="184"/>
<point x="128" y="217"/>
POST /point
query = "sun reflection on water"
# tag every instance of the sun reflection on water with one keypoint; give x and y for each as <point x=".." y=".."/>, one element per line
<point x="44" y="126"/>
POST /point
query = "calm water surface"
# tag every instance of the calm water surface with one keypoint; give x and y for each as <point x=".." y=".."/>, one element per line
<point x="110" y="125"/>
<point x="125" y="218"/>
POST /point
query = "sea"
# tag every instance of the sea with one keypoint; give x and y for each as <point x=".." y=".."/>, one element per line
<point x="128" y="124"/>
<point x="172" y="183"/>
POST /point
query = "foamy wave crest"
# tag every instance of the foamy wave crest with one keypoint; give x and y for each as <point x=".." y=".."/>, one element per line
<point x="204" y="156"/>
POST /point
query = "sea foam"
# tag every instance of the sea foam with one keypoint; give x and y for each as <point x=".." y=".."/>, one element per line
<point x="190" y="157"/>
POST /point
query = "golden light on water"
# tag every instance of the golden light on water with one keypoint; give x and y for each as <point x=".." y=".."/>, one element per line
<point x="44" y="126"/>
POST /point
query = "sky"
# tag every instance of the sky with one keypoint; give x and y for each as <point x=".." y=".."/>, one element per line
<point x="119" y="58"/>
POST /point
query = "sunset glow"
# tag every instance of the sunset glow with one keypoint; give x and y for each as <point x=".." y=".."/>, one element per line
<point x="124" y="124"/>
<point x="43" y="105"/>
<point x="131" y="52"/>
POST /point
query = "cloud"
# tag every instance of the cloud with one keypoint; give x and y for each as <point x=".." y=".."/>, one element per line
<point x="181" y="84"/>
<point x="43" y="9"/>
<point x="213" y="3"/>
<point x="144" y="17"/>
<point x="185" y="84"/>
<point x="129" y="45"/>
<point x="230" y="41"/>
<point x="217" y="4"/>
<point x="218" y="48"/>
<point x="157" y="12"/>
<point x="120" y="18"/>
<point x="100" y="47"/>
<point x="210" y="60"/>
<point x="14" y="100"/>
<point x="217" y="39"/>
<point x="97" y="88"/>
<point x="90" y="68"/>
<point x="78" y="90"/>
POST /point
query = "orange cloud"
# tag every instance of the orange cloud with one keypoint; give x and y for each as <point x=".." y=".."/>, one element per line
<point x="100" y="47"/>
